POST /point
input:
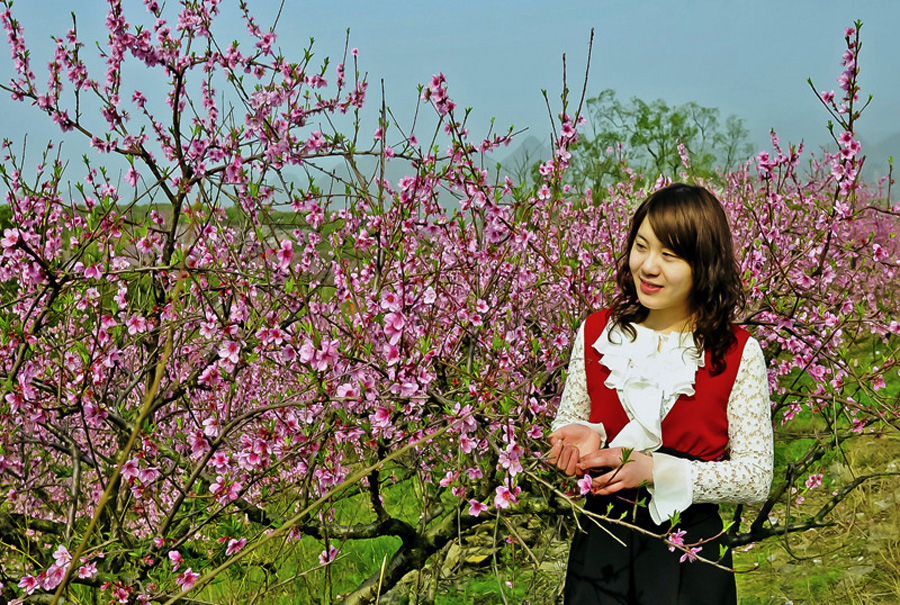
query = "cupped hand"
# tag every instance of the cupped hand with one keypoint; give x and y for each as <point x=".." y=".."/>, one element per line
<point x="629" y="469"/>
<point x="570" y="444"/>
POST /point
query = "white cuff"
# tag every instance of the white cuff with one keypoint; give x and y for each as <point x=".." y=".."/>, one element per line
<point x="597" y="427"/>
<point x="673" y="487"/>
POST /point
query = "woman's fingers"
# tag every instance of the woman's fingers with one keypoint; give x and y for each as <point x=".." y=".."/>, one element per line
<point x="553" y="454"/>
<point x="610" y="488"/>
<point x="565" y="457"/>
<point x="572" y="467"/>
<point x="609" y="458"/>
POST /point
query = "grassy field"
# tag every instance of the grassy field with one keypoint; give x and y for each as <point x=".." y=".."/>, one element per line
<point x="855" y="561"/>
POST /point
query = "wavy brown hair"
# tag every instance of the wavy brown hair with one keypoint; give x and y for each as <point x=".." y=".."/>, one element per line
<point x="690" y="221"/>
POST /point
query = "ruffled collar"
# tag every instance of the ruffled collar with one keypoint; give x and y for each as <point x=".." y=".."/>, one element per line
<point x="649" y="373"/>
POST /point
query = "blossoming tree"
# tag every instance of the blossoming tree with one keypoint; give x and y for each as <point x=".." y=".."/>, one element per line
<point x="206" y="362"/>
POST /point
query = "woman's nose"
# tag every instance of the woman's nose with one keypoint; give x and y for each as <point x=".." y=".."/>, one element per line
<point x="650" y="266"/>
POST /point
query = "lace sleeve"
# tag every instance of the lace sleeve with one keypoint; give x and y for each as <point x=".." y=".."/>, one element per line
<point x="747" y="475"/>
<point x="575" y="405"/>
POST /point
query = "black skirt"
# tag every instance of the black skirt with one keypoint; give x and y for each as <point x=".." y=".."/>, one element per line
<point x="644" y="571"/>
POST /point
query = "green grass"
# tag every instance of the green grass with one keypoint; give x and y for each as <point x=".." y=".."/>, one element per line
<point x="857" y="560"/>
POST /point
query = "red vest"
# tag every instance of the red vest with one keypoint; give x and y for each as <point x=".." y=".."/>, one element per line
<point x="696" y="425"/>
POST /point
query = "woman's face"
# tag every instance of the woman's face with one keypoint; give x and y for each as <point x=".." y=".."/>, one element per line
<point x="662" y="279"/>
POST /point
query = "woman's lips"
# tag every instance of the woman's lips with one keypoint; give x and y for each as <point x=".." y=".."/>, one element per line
<point x="648" y="288"/>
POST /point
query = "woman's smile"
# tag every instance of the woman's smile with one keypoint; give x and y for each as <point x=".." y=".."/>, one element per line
<point x="649" y="288"/>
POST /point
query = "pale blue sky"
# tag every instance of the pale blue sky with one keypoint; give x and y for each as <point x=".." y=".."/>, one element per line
<point x="751" y="59"/>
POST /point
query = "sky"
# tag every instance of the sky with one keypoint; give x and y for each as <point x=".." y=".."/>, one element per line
<point x="751" y="59"/>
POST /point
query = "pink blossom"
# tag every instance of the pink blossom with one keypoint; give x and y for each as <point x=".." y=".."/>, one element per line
<point x="393" y="327"/>
<point x="690" y="555"/>
<point x="88" y="570"/>
<point x="199" y="444"/>
<point x="230" y="351"/>
<point x="187" y="579"/>
<point x="175" y="558"/>
<point x="505" y="496"/>
<point x="10" y="239"/>
<point x="447" y="479"/>
<point x="136" y="324"/>
<point x="315" y="142"/>
<point x="53" y="577"/>
<point x="307" y="352"/>
<point x="129" y="469"/>
<point x="93" y="272"/>
<point x="476" y="508"/>
<point x="584" y="484"/>
<point x="149" y="475"/>
<point x="235" y="546"/>
<point x="814" y="481"/>
<point x="29" y="584"/>
<point x="285" y="254"/>
<point x="381" y="417"/>
<point x="227" y="491"/>
<point x="327" y="556"/>
<point x="62" y="556"/>
<point x="676" y="538"/>
<point x="390" y="300"/>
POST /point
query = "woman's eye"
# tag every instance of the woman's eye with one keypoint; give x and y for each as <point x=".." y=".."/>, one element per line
<point x="670" y="255"/>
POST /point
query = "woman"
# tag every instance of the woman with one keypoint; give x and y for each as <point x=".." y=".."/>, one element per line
<point x="666" y="407"/>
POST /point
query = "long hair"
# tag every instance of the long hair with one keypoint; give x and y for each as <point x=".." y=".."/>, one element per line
<point x="690" y="221"/>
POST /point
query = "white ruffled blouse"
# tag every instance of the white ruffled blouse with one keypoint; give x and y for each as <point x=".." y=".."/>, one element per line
<point x="649" y="373"/>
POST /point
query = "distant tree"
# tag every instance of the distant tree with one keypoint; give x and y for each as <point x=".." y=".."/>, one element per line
<point x="649" y="134"/>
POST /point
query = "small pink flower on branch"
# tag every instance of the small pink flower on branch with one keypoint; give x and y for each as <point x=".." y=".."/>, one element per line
<point x="10" y="238"/>
<point x="393" y="327"/>
<point x="175" y="558"/>
<point x="505" y="496"/>
<point x="235" y="546"/>
<point x="285" y="254"/>
<point x="691" y="555"/>
<point x="814" y="481"/>
<point x="88" y="570"/>
<point x="476" y="508"/>
<point x="29" y="584"/>
<point x="130" y="469"/>
<point x="62" y="556"/>
<point x="584" y="484"/>
<point x="187" y="579"/>
<point x="53" y="577"/>
<point x="676" y="538"/>
<point x="132" y="176"/>
<point x="230" y="351"/>
<point x="327" y="556"/>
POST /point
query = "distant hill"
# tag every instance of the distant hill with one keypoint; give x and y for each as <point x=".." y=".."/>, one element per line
<point x="877" y="155"/>
<point x="525" y="154"/>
